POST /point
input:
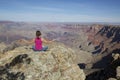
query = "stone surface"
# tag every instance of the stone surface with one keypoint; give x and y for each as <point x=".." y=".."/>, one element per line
<point x="112" y="79"/>
<point x="2" y="47"/>
<point x="57" y="63"/>
<point x="118" y="72"/>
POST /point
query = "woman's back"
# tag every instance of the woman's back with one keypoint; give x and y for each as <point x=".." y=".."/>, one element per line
<point x="38" y="44"/>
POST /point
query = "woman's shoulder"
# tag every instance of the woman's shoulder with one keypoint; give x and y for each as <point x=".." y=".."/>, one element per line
<point x="42" y="38"/>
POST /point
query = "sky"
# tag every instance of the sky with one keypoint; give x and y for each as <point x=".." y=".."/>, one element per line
<point x="60" y="10"/>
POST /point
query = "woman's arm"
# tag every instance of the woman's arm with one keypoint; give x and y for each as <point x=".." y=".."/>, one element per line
<point x="46" y="41"/>
<point x="31" y="41"/>
<point x="27" y="41"/>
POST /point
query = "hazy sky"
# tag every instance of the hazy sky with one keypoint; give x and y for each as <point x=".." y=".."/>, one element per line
<point x="60" y="10"/>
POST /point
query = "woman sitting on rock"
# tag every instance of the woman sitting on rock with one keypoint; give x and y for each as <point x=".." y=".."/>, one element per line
<point x="38" y="42"/>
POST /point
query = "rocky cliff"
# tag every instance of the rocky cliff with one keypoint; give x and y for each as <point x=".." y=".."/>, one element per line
<point x="106" y="39"/>
<point x="111" y="72"/>
<point x="57" y="63"/>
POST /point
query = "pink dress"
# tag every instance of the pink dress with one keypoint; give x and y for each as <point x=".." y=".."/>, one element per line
<point x="38" y="44"/>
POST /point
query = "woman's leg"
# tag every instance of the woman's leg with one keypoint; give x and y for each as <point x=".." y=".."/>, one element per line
<point x="44" y="48"/>
<point x="33" y="47"/>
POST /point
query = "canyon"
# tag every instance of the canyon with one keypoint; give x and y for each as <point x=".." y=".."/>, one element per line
<point x="94" y="46"/>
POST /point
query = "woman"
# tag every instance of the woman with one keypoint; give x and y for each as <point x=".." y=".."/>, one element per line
<point x="38" y="42"/>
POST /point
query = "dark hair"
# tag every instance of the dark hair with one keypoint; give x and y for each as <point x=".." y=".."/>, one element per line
<point x="38" y="33"/>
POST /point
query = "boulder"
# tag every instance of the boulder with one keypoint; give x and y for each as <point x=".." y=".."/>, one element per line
<point x="57" y="63"/>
